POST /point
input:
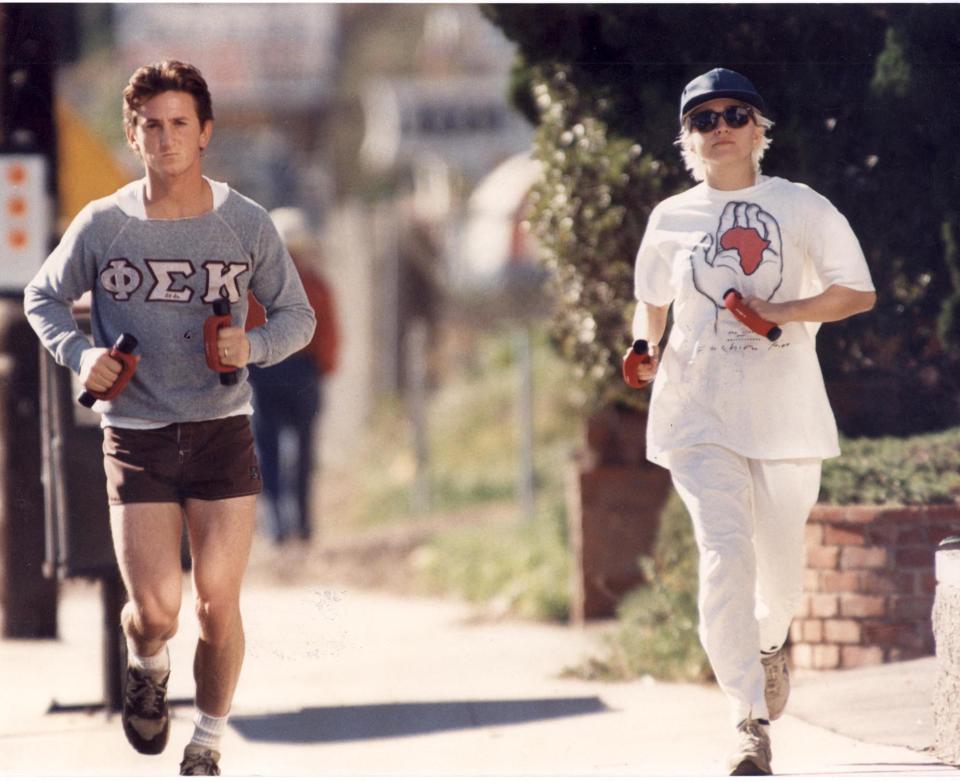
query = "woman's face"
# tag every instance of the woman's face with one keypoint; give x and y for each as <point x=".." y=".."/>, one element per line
<point x="725" y="146"/>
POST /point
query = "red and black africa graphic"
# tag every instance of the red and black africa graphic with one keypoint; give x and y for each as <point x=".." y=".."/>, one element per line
<point x="748" y="243"/>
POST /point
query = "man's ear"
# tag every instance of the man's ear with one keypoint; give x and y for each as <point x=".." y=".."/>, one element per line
<point x="206" y="134"/>
<point x="131" y="139"/>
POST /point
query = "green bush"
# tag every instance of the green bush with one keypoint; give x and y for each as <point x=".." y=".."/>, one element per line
<point x="919" y="470"/>
<point x="588" y="213"/>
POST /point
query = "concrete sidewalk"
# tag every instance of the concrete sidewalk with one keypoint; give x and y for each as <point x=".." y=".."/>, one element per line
<point x="343" y="682"/>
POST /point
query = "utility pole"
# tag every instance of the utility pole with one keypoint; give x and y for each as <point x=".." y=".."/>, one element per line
<point x="28" y="47"/>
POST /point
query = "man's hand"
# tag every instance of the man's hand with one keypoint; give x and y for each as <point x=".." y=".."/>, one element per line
<point x="98" y="371"/>
<point x="233" y="347"/>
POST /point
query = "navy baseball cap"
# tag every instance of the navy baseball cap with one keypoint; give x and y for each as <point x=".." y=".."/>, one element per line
<point x="720" y="83"/>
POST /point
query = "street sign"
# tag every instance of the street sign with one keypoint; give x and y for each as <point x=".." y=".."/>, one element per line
<point x="24" y="219"/>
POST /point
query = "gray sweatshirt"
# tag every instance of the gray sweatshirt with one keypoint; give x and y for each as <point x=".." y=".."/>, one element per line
<point x="157" y="280"/>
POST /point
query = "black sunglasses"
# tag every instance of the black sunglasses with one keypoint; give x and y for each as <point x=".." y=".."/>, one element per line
<point x="734" y="116"/>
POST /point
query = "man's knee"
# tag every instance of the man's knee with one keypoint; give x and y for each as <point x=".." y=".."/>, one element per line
<point x="219" y="618"/>
<point x="153" y="617"/>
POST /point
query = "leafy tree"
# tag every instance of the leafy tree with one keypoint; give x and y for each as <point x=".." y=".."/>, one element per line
<point x="861" y="100"/>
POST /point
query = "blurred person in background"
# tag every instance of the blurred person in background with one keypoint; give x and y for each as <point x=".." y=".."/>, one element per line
<point x="288" y="397"/>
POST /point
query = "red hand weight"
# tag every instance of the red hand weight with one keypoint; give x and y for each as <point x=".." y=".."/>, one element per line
<point x="733" y="301"/>
<point x="638" y="354"/>
<point x="121" y="351"/>
<point x="220" y="319"/>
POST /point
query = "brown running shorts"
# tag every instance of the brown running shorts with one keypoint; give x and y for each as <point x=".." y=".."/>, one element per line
<point x="204" y="460"/>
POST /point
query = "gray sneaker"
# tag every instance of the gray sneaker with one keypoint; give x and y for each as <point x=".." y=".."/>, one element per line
<point x="776" y="688"/>
<point x="146" y="716"/>
<point x="753" y="755"/>
<point x="199" y="762"/>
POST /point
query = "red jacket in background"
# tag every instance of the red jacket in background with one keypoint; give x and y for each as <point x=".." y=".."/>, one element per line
<point x="324" y="347"/>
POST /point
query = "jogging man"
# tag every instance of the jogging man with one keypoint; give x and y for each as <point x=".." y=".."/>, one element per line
<point x="155" y="255"/>
<point x="741" y="422"/>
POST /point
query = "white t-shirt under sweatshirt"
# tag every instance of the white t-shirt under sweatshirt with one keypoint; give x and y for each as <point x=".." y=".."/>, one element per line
<point x="720" y="383"/>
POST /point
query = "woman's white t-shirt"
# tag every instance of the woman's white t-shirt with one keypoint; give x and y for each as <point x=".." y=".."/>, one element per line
<point x="718" y="381"/>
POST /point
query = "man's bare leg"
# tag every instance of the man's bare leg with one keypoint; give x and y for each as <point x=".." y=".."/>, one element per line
<point x="221" y="533"/>
<point x="146" y="539"/>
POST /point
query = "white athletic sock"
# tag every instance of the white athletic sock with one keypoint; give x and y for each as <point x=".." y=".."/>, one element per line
<point x="207" y="730"/>
<point x="158" y="663"/>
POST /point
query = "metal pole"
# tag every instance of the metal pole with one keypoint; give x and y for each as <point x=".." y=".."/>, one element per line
<point x="389" y="330"/>
<point x="522" y="343"/>
<point x="416" y="350"/>
<point x="112" y="597"/>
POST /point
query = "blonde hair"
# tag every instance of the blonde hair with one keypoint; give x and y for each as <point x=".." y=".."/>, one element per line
<point x="694" y="163"/>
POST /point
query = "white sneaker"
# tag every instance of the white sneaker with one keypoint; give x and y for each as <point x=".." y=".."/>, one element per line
<point x="753" y="755"/>
<point x="776" y="687"/>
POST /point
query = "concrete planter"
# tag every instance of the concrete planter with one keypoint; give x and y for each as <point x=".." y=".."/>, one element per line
<point x="946" y="630"/>
<point x="869" y="584"/>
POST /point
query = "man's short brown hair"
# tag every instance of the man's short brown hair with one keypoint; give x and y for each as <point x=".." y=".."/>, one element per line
<point x="167" y="76"/>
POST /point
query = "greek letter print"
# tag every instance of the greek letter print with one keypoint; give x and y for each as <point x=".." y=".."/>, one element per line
<point x="120" y="278"/>
<point x="174" y="280"/>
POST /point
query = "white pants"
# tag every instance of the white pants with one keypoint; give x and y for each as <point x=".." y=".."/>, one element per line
<point x="748" y="518"/>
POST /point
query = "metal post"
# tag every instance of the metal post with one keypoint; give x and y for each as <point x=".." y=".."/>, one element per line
<point x="525" y="480"/>
<point x="388" y="328"/>
<point x="416" y="352"/>
<point x="112" y="597"/>
<point x="28" y="601"/>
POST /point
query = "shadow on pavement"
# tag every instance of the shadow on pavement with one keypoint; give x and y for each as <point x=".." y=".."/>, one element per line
<point x="392" y="720"/>
<point x="871" y="770"/>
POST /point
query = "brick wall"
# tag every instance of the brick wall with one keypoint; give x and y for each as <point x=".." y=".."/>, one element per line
<point x="869" y="584"/>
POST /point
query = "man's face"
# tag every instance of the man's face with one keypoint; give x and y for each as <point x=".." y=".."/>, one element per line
<point x="167" y="135"/>
<point x="724" y="145"/>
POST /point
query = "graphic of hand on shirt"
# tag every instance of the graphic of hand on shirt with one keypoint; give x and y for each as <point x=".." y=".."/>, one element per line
<point x="745" y="253"/>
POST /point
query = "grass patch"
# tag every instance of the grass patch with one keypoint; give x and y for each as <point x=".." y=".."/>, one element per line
<point x="518" y="569"/>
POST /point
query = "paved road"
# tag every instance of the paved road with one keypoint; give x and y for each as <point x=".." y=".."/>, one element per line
<point x="345" y="682"/>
